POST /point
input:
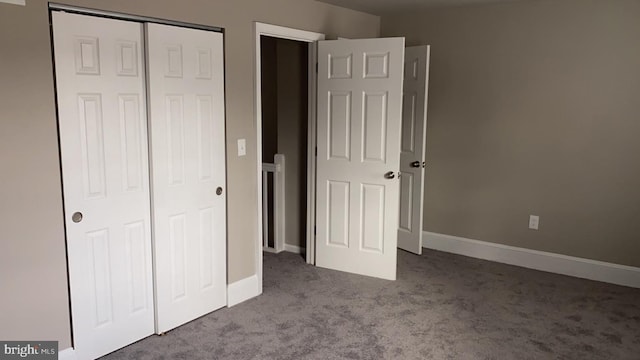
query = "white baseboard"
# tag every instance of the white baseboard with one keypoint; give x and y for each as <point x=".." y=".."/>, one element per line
<point x="242" y="290"/>
<point x="67" y="354"/>
<point x="269" y="250"/>
<point x="294" y="249"/>
<point x="533" y="259"/>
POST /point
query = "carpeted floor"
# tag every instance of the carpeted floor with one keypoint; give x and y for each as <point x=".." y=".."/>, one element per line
<point x="442" y="306"/>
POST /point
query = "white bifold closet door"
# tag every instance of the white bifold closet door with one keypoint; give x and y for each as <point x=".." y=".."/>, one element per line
<point x="103" y="138"/>
<point x="186" y="107"/>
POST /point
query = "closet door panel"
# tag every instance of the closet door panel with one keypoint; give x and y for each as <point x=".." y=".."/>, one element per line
<point x="186" y="96"/>
<point x="103" y="144"/>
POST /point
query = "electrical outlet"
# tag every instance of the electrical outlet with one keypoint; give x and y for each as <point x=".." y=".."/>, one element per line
<point x="534" y="221"/>
<point x="242" y="147"/>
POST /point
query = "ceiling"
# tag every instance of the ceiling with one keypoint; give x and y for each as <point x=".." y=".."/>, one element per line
<point x="379" y="7"/>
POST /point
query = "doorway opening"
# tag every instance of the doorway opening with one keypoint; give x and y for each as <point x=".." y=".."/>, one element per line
<point x="307" y="39"/>
<point x="284" y="90"/>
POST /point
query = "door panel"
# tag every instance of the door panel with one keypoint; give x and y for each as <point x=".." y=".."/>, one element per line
<point x="188" y="164"/>
<point x="414" y="134"/>
<point x="103" y="144"/>
<point x="359" y="111"/>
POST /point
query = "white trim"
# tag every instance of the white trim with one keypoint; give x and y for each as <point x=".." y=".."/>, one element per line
<point x="286" y="33"/>
<point x="279" y="192"/>
<point x="291" y="34"/>
<point x="278" y="169"/>
<point x="122" y="16"/>
<point x="269" y="250"/>
<point x="67" y="354"/>
<point x="311" y="154"/>
<point x="242" y="290"/>
<point x="294" y="249"/>
<point x="14" y="2"/>
<point x="534" y="259"/>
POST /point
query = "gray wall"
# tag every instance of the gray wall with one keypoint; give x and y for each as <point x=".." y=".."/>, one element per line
<point x="34" y="303"/>
<point x="534" y="108"/>
<point x="269" y="96"/>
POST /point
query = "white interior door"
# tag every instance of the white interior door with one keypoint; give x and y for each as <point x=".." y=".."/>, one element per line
<point x="359" y="112"/>
<point x="188" y="165"/>
<point x="413" y="144"/>
<point x="103" y="140"/>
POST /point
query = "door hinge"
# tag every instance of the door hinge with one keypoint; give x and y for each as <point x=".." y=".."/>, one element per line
<point x="314" y="230"/>
<point x="316" y="68"/>
<point x="316" y="151"/>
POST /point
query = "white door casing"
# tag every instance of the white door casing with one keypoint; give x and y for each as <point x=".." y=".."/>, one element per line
<point x="103" y="142"/>
<point x="413" y="146"/>
<point x="188" y="165"/>
<point x="359" y="117"/>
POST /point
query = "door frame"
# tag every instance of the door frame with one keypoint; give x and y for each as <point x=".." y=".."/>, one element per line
<point x="302" y="36"/>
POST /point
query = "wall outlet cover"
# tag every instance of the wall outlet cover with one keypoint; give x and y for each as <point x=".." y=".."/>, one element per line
<point x="534" y="222"/>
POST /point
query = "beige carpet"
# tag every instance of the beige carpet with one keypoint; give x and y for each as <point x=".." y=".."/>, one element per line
<point x="442" y="306"/>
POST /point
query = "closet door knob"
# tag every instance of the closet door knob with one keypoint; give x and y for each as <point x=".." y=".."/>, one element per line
<point x="219" y="191"/>
<point x="76" y="217"/>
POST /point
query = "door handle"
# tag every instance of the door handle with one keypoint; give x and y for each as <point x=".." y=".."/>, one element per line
<point x="415" y="164"/>
<point x="76" y="217"/>
<point x="389" y="175"/>
<point x="219" y="191"/>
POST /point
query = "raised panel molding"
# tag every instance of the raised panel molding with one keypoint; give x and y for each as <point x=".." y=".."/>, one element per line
<point x="340" y="66"/>
<point x="372" y="223"/>
<point x="338" y="209"/>
<point x="374" y="123"/>
<point x="87" y="55"/>
<point x="411" y="69"/>
<point x="415" y="69"/>
<point x="136" y="260"/>
<point x="92" y="143"/>
<point x="127" y="60"/>
<point x="408" y="122"/>
<point x="376" y="65"/>
<point x="100" y="276"/>
<point x="339" y="123"/>
<point x="131" y="141"/>
<point x="204" y="110"/>
<point x="177" y="238"/>
<point x="206" y="248"/>
<point x="175" y="138"/>
<point x="173" y="61"/>
<point x="406" y="199"/>
<point x="203" y="67"/>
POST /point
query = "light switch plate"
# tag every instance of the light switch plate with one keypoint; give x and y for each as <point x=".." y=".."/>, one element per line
<point x="242" y="147"/>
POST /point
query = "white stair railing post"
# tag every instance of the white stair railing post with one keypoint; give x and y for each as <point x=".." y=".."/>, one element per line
<point x="278" y="210"/>
<point x="265" y="207"/>
<point x="279" y="196"/>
